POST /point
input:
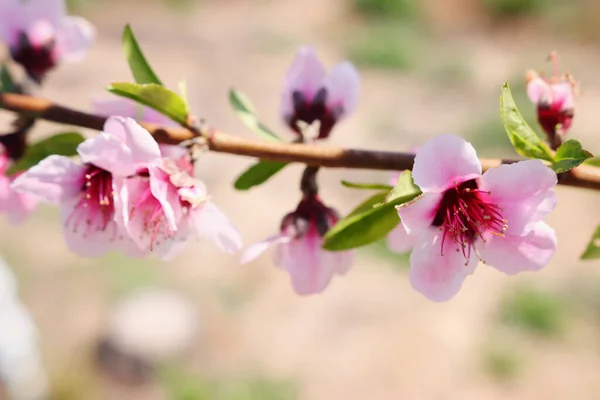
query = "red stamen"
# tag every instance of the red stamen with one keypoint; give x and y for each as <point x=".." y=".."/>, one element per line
<point x="466" y="213"/>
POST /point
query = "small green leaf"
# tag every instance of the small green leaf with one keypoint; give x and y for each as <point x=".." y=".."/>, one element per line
<point x="154" y="96"/>
<point x="6" y="80"/>
<point x="595" y="161"/>
<point x="404" y="185"/>
<point x="245" y="110"/>
<point x="371" y="220"/>
<point x="569" y="155"/>
<point x="367" y="186"/>
<point x="593" y="249"/>
<point x="63" y="144"/>
<point x="522" y="137"/>
<point x="258" y="174"/>
<point x="140" y="68"/>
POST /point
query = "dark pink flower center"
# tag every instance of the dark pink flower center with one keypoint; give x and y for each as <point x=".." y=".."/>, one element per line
<point x="311" y="213"/>
<point x="311" y="110"/>
<point x="96" y="207"/>
<point x="36" y="60"/>
<point x="466" y="213"/>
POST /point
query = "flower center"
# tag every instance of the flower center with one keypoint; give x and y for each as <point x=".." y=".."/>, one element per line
<point x="311" y="213"/>
<point x="96" y="205"/>
<point x="35" y="59"/>
<point x="311" y="110"/>
<point x="466" y="213"/>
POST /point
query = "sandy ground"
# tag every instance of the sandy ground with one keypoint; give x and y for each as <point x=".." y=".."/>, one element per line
<point x="369" y="336"/>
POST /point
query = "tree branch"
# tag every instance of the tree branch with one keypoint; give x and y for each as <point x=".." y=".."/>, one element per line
<point x="583" y="176"/>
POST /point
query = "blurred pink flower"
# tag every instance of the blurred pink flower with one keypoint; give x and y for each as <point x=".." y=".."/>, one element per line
<point x="17" y="206"/>
<point x="498" y="215"/>
<point x="39" y="34"/>
<point x="310" y="95"/>
<point x="107" y="107"/>
<point x="87" y="192"/>
<point x="163" y="206"/>
<point x="299" y="247"/>
<point x="554" y="99"/>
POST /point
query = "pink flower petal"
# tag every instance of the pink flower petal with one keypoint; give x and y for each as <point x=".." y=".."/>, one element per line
<point x="310" y="267"/>
<point x="114" y="106"/>
<point x="144" y="148"/>
<point x="444" y="161"/>
<point x="119" y="106"/>
<point x="523" y="190"/>
<point x="563" y="95"/>
<point x="74" y="38"/>
<point x="40" y="33"/>
<point x="399" y="241"/>
<point x="109" y="153"/>
<point x="306" y="75"/>
<point x="253" y="251"/>
<point x="212" y="224"/>
<point x="83" y="238"/>
<point x="537" y="89"/>
<point x="167" y="196"/>
<point x="29" y="12"/>
<point x="343" y="86"/>
<point x="172" y="151"/>
<point x="54" y="179"/>
<point x="438" y="277"/>
<point x="144" y="218"/>
<point x="514" y="254"/>
<point x="417" y="215"/>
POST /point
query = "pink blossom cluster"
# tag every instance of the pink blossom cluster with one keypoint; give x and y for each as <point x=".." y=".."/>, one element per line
<point x="130" y="194"/>
<point x="125" y="195"/>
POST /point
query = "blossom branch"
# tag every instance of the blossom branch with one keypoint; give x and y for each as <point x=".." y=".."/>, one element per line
<point x="323" y="156"/>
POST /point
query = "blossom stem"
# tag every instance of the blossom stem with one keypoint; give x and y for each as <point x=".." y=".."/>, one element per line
<point x="308" y="182"/>
<point x="583" y="176"/>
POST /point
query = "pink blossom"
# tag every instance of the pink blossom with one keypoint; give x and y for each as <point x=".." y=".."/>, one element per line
<point x="310" y="95"/>
<point x="128" y="108"/>
<point x="299" y="247"/>
<point x="163" y="206"/>
<point x="463" y="214"/>
<point x="554" y="100"/>
<point x="87" y="192"/>
<point x="17" y="206"/>
<point x="40" y="34"/>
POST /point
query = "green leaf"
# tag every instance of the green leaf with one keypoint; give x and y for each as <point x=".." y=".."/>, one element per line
<point x="522" y="137"/>
<point x="258" y="174"/>
<point x="154" y="96"/>
<point x="404" y="185"/>
<point x="245" y="110"/>
<point x="367" y="186"/>
<point x="63" y="144"/>
<point x="369" y="203"/>
<point x="595" y="161"/>
<point x="371" y="220"/>
<point x="6" y="80"/>
<point x="140" y="68"/>
<point x="569" y="155"/>
<point x="593" y="248"/>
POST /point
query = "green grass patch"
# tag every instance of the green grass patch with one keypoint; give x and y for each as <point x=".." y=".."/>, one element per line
<point x="384" y="46"/>
<point x="534" y="311"/>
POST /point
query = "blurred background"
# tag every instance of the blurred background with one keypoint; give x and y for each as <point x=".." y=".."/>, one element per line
<point x="204" y="327"/>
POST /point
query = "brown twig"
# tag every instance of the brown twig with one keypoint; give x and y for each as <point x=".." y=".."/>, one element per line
<point x="583" y="176"/>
